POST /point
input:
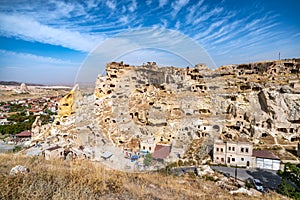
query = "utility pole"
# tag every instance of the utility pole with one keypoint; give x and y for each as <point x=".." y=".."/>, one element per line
<point x="235" y="174"/>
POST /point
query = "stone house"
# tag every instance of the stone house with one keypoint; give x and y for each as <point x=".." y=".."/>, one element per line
<point x="242" y="154"/>
<point x="148" y="144"/>
<point x="233" y="153"/>
<point x="55" y="152"/>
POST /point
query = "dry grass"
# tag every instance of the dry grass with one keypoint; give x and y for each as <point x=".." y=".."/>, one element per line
<point x="86" y="180"/>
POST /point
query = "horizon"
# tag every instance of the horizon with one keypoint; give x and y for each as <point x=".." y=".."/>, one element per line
<point x="50" y="42"/>
<point x="88" y="83"/>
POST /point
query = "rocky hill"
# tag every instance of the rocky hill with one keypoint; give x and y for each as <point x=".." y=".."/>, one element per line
<point x="136" y="108"/>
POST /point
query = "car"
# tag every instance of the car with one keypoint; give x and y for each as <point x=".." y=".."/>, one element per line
<point x="258" y="185"/>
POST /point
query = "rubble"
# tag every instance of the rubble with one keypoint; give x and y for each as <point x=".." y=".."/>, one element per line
<point x="204" y="170"/>
<point x="242" y="191"/>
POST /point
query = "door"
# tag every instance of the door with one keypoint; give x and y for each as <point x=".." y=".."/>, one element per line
<point x="248" y="164"/>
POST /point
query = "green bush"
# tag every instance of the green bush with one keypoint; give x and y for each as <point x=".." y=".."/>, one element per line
<point x="17" y="149"/>
<point x="148" y="158"/>
<point x="287" y="189"/>
<point x="248" y="185"/>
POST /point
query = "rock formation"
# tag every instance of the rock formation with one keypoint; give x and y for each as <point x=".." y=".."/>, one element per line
<point x="136" y="108"/>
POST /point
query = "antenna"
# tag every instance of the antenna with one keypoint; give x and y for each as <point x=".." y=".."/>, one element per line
<point x="279" y="55"/>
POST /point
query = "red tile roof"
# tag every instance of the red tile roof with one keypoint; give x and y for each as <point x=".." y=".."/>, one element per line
<point x="161" y="151"/>
<point x="24" y="134"/>
<point x="264" y="154"/>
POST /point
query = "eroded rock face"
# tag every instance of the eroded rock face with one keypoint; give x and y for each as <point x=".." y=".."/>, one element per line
<point x="165" y="104"/>
<point x="67" y="105"/>
<point x="176" y="105"/>
<point x="137" y="108"/>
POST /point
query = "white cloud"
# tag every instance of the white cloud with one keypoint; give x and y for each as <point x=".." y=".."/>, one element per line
<point x="124" y="19"/>
<point x="148" y="2"/>
<point x="111" y="4"/>
<point x="207" y="15"/>
<point x="133" y="6"/>
<point x="124" y="9"/>
<point x="193" y="10"/>
<point x="36" y="58"/>
<point x="29" y="29"/>
<point x="162" y="3"/>
<point x="178" y="5"/>
<point x="177" y="25"/>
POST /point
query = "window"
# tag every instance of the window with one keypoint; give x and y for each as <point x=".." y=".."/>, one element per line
<point x="242" y="150"/>
<point x="247" y="150"/>
<point x="242" y="159"/>
<point x="229" y="148"/>
<point x="217" y="149"/>
<point x="221" y="149"/>
<point x="233" y="149"/>
<point x="217" y="158"/>
<point x="233" y="159"/>
<point x="149" y="148"/>
<point x="222" y="159"/>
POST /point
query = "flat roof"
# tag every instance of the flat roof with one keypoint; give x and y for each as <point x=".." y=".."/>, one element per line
<point x="106" y="154"/>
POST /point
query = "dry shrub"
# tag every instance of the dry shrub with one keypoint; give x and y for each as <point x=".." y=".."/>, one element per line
<point x="86" y="180"/>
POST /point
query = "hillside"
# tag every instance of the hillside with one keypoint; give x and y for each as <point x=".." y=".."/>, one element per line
<point x="138" y="108"/>
<point x="86" y="180"/>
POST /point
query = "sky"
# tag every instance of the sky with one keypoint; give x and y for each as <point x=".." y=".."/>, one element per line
<point x="51" y="42"/>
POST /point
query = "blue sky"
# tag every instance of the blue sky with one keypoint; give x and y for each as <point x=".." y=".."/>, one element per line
<point x="49" y="41"/>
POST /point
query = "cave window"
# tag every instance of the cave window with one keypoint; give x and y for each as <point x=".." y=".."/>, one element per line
<point x="264" y="135"/>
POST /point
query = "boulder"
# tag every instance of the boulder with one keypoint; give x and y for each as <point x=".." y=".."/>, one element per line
<point x="19" y="169"/>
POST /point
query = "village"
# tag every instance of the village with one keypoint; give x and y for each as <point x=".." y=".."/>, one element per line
<point x="184" y="119"/>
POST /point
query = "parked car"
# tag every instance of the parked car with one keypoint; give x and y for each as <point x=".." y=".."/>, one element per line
<point x="258" y="185"/>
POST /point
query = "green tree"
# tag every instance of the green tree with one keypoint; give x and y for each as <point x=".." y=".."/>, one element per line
<point x="147" y="160"/>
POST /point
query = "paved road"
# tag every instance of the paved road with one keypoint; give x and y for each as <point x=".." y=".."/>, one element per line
<point x="269" y="178"/>
<point x="5" y="147"/>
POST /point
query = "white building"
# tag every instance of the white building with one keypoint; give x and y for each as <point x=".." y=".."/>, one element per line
<point x="243" y="155"/>
<point x="233" y="153"/>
